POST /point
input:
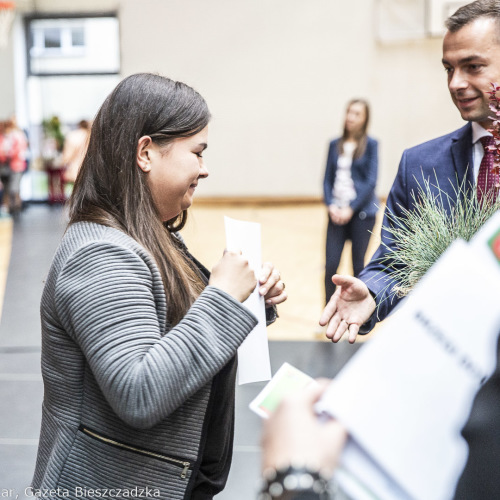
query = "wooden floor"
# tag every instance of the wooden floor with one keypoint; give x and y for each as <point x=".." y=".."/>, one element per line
<point x="5" y="246"/>
<point x="293" y="238"/>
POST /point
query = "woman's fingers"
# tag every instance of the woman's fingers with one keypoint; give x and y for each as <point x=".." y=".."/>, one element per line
<point x="276" y="295"/>
<point x="272" y="287"/>
<point x="269" y="277"/>
<point x="276" y="290"/>
<point x="265" y="272"/>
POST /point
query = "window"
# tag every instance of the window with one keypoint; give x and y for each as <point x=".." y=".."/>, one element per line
<point x="400" y="20"/>
<point x="52" y="38"/>
<point x="57" y="38"/>
<point x="77" y="37"/>
<point x="73" y="45"/>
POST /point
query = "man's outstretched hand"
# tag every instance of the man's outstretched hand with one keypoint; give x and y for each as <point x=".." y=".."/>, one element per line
<point x="350" y="307"/>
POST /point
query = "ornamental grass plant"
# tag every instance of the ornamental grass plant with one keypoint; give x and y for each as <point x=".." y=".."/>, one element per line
<point x="421" y="235"/>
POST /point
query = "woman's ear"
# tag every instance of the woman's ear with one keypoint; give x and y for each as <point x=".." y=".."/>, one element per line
<point x="143" y="157"/>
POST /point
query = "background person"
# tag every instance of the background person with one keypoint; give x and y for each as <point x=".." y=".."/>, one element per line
<point x="17" y="150"/>
<point x="299" y="446"/>
<point x="349" y="191"/>
<point x="471" y="58"/>
<point x="75" y="145"/>
<point x="138" y="338"/>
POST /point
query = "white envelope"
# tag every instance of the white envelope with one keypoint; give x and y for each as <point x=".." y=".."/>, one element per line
<point x="254" y="364"/>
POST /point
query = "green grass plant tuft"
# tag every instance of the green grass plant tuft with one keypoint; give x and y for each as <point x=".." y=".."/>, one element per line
<point x="423" y="234"/>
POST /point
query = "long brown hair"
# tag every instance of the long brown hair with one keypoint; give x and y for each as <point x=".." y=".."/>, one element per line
<point x="362" y="137"/>
<point x="112" y="190"/>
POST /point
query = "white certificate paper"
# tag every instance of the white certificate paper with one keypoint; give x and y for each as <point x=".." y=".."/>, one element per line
<point x="405" y="396"/>
<point x="253" y="355"/>
<point x="286" y="380"/>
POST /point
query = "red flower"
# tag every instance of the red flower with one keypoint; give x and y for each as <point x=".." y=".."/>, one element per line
<point x="495" y="131"/>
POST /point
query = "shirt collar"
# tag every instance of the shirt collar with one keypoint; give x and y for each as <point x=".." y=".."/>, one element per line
<point x="478" y="132"/>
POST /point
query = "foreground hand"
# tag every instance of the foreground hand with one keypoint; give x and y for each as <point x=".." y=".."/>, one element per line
<point x="271" y="285"/>
<point x="233" y="275"/>
<point x="350" y="306"/>
<point x="295" y="435"/>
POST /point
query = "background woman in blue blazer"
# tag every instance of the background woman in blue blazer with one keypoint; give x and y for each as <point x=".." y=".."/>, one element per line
<point x="349" y="191"/>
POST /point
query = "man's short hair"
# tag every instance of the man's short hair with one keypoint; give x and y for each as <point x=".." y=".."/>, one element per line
<point x="472" y="11"/>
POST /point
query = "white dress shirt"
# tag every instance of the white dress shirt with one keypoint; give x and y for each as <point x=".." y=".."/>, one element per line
<point x="477" y="149"/>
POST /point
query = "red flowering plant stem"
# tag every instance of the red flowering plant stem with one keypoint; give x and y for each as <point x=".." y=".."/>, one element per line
<point x="495" y="131"/>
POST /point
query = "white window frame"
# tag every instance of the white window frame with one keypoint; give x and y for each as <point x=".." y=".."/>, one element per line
<point x="66" y="49"/>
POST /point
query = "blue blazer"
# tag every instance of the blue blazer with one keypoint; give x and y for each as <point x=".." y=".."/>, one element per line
<point x="364" y="177"/>
<point x="447" y="163"/>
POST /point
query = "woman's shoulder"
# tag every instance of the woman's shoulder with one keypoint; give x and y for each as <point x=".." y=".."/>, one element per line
<point x="96" y="238"/>
<point x="87" y="245"/>
<point x="84" y="232"/>
<point x="371" y="140"/>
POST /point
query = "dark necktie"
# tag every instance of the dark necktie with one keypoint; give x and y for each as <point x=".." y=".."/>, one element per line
<point x="486" y="179"/>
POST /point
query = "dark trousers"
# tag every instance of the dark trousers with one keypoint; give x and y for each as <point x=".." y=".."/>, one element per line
<point x="358" y="230"/>
<point x="5" y="180"/>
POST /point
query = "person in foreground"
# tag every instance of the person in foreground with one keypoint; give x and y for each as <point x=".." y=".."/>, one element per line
<point x="300" y="452"/>
<point x="471" y="59"/>
<point x="349" y="191"/>
<point x="298" y="446"/>
<point x="138" y="338"/>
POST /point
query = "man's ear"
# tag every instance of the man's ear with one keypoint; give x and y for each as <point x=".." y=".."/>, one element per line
<point x="143" y="157"/>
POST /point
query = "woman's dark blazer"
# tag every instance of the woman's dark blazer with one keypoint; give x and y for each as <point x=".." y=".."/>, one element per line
<point x="363" y="173"/>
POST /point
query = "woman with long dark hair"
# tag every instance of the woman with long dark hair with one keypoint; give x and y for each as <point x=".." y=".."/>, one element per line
<point x="349" y="191"/>
<point x="138" y="337"/>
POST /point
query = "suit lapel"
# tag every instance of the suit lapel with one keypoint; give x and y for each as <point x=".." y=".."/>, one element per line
<point x="461" y="152"/>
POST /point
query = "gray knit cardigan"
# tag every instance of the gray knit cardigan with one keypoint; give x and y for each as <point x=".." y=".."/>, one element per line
<point x="125" y="394"/>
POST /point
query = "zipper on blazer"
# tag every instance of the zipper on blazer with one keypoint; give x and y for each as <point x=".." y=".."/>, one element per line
<point x="175" y="461"/>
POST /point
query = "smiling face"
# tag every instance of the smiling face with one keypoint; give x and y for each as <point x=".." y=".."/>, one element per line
<point x="173" y="171"/>
<point x="471" y="57"/>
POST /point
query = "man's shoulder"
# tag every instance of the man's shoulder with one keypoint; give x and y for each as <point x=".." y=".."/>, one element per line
<point x="443" y="142"/>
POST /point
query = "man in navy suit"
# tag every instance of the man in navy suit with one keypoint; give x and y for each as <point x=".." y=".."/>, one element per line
<point x="471" y="58"/>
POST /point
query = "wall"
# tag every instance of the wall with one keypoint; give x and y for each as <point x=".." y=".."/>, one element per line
<point x="277" y="75"/>
<point x="7" y="93"/>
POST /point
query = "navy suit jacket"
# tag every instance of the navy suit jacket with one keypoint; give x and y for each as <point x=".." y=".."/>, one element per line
<point x="447" y="163"/>
<point x="363" y="174"/>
